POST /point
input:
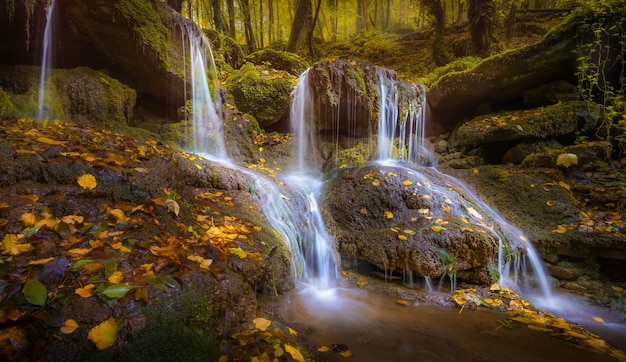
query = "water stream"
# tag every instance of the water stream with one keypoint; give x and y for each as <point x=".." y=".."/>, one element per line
<point x="46" y="59"/>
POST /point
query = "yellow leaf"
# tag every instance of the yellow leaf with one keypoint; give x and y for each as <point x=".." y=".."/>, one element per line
<point x="538" y="328"/>
<point x="292" y="331"/>
<point x="361" y="282"/>
<point x="104" y="334"/>
<point x="118" y="246"/>
<point x="598" y="319"/>
<point x="407" y="183"/>
<point x="376" y="182"/>
<point x="41" y="261"/>
<point x="402" y="237"/>
<point x="566" y="159"/>
<point x="261" y="323"/>
<point x="475" y="170"/>
<point x="72" y="219"/>
<point x="50" y="141"/>
<point x="388" y="214"/>
<point x="436" y="228"/>
<point x="28" y="219"/>
<point x="550" y="203"/>
<point x="116" y="277"/>
<point x="87" y="181"/>
<point x="204" y="263"/>
<point x="11" y="246"/>
<point x="75" y="253"/>
<point x="294" y="352"/>
<point x="146" y="267"/>
<point x="347" y="353"/>
<point x="239" y="252"/>
<point x="118" y="214"/>
<point x="69" y="326"/>
<point x="363" y="211"/>
<point x="402" y="302"/>
<point x="561" y="229"/>
<point x="323" y="349"/>
<point x="617" y="289"/>
<point x="576" y="335"/>
<point x="86" y="291"/>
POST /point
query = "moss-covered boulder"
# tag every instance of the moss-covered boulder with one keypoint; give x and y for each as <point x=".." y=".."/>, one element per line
<point x="260" y="91"/>
<point x="546" y="122"/>
<point x="83" y="95"/>
<point x="7" y="109"/>
<point x="551" y="93"/>
<point x="576" y="155"/>
<point x="412" y="219"/>
<point x="289" y="62"/>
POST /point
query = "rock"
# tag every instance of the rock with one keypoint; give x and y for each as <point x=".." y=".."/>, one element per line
<point x="503" y="78"/>
<point x="262" y="92"/>
<point x="551" y="93"/>
<point x="376" y="218"/>
<point x="546" y="122"/>
<point x="566" y="270"/>
<point x="82" y="95"/>
<point x="517" y="154"/>
<point x="289" y="62"/>
<point x="587" y="152"/>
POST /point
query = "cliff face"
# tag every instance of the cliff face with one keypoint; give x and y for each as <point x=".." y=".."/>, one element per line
<point x="137" y="42"/>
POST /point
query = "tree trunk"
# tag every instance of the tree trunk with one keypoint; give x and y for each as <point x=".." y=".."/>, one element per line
<point x="302" y="21"/>
<point x="261" y="23"/>
<point x="312" y="28"/>
<point x="361" y="19"/>
<point x="270" y="25"/>
<point x="247" y="22"/>
<point x="440" y="56"/>
<point x="481" y="13"/>
<point x="218" y="19"/>
<point x="231" y="18"/>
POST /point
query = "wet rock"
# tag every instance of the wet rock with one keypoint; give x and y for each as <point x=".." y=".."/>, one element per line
<point x="379" y="219"/>
<point x="566" y="270"/>
<point x="288" y="62"/>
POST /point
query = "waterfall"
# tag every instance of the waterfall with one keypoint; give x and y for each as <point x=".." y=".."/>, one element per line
<point x="401" y="120"/>
<point x="301" y="115"/>
<point x="208" y="130"/>
<point x="46" y="62"/>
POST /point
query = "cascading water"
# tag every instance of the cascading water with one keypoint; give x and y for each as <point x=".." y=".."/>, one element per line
<point x="401" y="139"/>
<point x="207" y="132"/>
<point x="401" y="120"/>
<point x="46" y="62"/>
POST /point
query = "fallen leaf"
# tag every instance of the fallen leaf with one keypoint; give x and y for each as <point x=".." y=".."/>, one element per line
<point x="566" y="159"/>
<point x="323" y="349"/>
<point x="104" y="334"/>
<point x="376" y="182"/>
<point x="292" y="331"/>
<point x="41" y="261"/>
<point x="294" y="352"/>
<point x="239" y="252"/>
<point x="561" y="229"/>
<point x="28" y="219"/>
<point x="86" y="291"/>
<point x="388" y="214"/>
<point x="11" y="246"/>
<point x="363" y="211"/>
<point x="35" y="292"/>
<point x="172" y="206"/>
<point x="407" y="183"/>
<point x="361" y="282"/>
<point x="117" y="290"/>
<point x="116" y="277"/>
<point x="87" y="181"/>
<point x="50" y="141"/>
<point x="436" y="228"/>
<point x="261" y="323"/>
<point x="69" y="326"/>
<point x="598" y="319"/>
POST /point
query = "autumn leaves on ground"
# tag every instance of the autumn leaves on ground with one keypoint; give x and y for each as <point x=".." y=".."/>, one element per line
<point x="107" y="243"/>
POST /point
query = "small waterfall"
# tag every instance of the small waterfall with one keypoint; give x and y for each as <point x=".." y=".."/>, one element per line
<point x="401" y="120"/>
<point x="208" y="130"/>
<point x="318" y="257"/>
<point x="46" y="62"/>
<point x="301" y="115"/>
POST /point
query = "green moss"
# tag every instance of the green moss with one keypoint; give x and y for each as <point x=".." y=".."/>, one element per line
<point x="7" y="108"/>
<point x="263" y="93"/>
<point x="457" y="66"/>
<point x="289" y="62"/>
<point x="148" y="26"/>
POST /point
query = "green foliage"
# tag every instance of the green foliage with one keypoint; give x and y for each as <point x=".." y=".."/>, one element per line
<point x="289" y="62"/>
<point x="148" y="26"/>
<point x="458" y="65"/>
<point x="449" y="263"/>
<point x="35" y="292"/>
<point x="602" y="64"/>
<point x="7" y="109"/>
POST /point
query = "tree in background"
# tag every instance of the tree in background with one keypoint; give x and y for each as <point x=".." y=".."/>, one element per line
<point x="302" y="22"/>
<point x="482" y="26"/>
<point x="435" y="8"/>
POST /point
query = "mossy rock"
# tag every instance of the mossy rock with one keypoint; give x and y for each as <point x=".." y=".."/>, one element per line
<point x="551" y="121"/>
<point x="7" y="108"/>
<point x="289" y="62"/>
<point x="262" y="92"/>
<point x="586" y="153"/>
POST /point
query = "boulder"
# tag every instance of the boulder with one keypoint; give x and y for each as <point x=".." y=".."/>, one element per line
<point x="546" y="122"/>
<point x="413" y="220"/>
<point x="551" y="93"/>
<point x="585" y="153"/>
